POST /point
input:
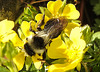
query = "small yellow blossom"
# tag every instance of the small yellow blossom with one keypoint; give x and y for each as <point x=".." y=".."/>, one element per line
<point x="6" y="33"/>
<point x="71" y="50"/>
<point x="69" y="12"/>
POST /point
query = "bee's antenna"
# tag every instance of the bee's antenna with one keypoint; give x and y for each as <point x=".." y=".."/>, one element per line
<point x="41" y="22"/>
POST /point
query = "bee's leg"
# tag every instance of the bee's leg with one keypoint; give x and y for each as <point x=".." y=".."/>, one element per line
<point x="44" y="55"/>
<point x="31" y="29"/>
<point x="50" y="42"/>
<point x="28" y="49"/>
<point x="41" y="22"/>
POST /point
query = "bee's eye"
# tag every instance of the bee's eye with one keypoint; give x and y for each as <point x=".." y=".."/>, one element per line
<point x="27" y="39"/>
<point x="39" y="54"/>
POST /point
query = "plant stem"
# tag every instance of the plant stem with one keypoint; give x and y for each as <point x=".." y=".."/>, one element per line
<point x="85" y="66"/>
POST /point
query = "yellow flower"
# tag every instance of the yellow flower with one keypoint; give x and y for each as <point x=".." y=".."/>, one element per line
<point x="69" y="10"/>
<point x="19" y="59"/>
<point x="6" y="33"/>
<point x="70" y="26"/>
<point x="71" y="50"/>
<point x="54" y="6"/>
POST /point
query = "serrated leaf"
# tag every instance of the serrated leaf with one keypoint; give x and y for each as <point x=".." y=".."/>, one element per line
<point x="87" y="33"/>
<point x="45" y="11"/>
<point x="97" y="9"/>
<point x="96" y="35"/>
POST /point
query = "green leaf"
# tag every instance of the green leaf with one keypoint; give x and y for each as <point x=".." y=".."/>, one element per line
<point x="89" y="60"/>
<point x="1" y="49"/>
<point x="43" y="68"/>
<point x="3" y="69"/>
<point x="59" y="61"/>
<point x="10" y="50"/>
<point x="45" y="11"/>
<point x="21" y="34"/>
<point x="32" y="8"/>
<point x="78" y="67"/>
<point x="11" y="66"/>
<point x="96" y="68"/>
<point x="96" y="35"/>
<point x="32" y="68"/>
<point x="87" y="33"/>
<point x="97" y="9"/>
<point x="28" y="62"/>
<point x="62" y="7"/>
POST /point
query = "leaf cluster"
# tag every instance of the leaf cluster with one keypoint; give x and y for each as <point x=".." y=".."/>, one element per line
<point x="92" y="56"/>
<point x="28" y="14"/>
<point x="7" y="52"/>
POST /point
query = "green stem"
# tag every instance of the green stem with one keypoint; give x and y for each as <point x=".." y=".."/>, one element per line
<point x="19" y="17"/>
<point x="85" y="66"/>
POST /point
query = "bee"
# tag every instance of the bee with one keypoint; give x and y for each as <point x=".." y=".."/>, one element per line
<point x="37" y="43"/>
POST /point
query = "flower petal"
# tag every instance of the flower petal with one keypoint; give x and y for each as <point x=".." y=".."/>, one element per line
<point x="75" y="34"/>
<point x="5" y="26"/>
<point x="63" y="67"/>
<point x="70" y="26"/>
<point x="25" y="26"/>
<point x="68" y="8"/>
<point x="39" y="17"/>
<point x="73" y="15"/>
<point x="12" y="35"/>
<point x="50" y="6"/>
<point x="57" y="49"/>
<point x="37" y="62"/>
<point x="71" y="12"/>
<point x="54" y="6"/>
<point x="19" y="60"/>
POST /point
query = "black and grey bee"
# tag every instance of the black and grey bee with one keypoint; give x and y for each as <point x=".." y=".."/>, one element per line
<point x="52" y="29"/>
